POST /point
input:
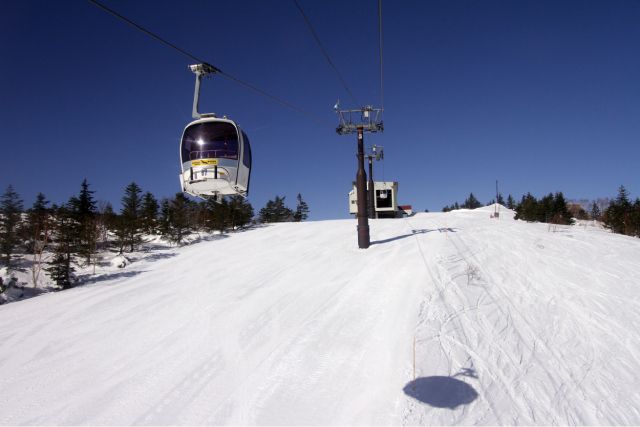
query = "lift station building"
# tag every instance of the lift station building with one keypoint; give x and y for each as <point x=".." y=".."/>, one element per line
<point x="385" y="201"/>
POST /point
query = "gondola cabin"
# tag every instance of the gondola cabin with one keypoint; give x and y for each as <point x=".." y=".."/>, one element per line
<point x="216" y="158"/>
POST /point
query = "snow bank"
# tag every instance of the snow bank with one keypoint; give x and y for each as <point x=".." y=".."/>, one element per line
<point x="120" y="261"/>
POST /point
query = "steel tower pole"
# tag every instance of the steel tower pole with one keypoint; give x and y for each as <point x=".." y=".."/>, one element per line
<point x="361" y="194"/>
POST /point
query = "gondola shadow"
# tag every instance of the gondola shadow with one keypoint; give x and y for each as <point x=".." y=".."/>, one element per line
<point x="404" y="236"/>
<point x="441" y="392"/>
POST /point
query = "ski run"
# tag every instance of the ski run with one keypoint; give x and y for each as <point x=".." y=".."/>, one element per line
<point x="448" y="318"/>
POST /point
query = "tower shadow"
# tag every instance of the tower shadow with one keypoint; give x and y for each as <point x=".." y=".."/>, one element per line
<point x="441" y="392"/>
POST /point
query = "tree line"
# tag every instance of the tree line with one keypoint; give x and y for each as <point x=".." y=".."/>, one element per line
<point x="621" y="216"/>
<point x="472" y="202"/>
<point x="74" y="232"/>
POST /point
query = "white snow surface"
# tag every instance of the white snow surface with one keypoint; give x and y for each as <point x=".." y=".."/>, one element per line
<point x="512" y="323"/>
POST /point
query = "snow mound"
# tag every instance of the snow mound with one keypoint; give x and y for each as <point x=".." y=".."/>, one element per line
<point x="503" y="211"/>
<point x="120" y="261"/>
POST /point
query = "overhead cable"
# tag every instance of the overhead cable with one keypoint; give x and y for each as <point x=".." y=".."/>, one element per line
<point x="380" y="50"/>
<point x="324" y="52"/>
<point x="216" y="69"/>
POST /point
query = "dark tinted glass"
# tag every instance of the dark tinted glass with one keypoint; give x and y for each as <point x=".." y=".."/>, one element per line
<point x="383" y="202"/>
<point x="210" y="140"/>
<point x="246" y="156"/>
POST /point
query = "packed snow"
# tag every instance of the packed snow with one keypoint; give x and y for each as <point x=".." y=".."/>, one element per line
<point x="448" y="318"/>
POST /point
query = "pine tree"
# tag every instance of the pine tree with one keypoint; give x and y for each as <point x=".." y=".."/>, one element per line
<point x="276" y="211"/>
<point x="511" y="203"/>
<point x="240" y="212"/>
<point x="560" y="212"/>
<point x="623" y="197"/>
<point x="545" y="208"/>
<point x="634" y="219"/>
<point x="83" y="209"/>
<point x="616" y="215"/>
<point x="302" y="210"/>
<point x="37" y="226"/>
<point x="527" y="209"/>
<point x="164" y="225"/>
<point x="131" y="216"/>
<point x="10" y="223"/>
<point x="218" y="215"/>
<point x="179" y="220"/>
<point x="595" y="211"/>
<point x="149" y="213"/>
<point x="500" y="199"/>
<point x="60" y="267"/>
<point x="471" y="202"/>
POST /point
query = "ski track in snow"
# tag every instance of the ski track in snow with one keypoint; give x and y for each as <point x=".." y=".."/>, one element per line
<point x="292" y="324"/>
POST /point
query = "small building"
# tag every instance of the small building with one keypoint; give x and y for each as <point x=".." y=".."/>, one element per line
<point x="406" y="210"/>
<point x="385" y="202"/>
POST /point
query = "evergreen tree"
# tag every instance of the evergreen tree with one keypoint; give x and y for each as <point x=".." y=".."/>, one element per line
<point x="302" y="210"/>
<point x="500" y="199"/>
<point x="149" y="213"/>
<point x="511" y="203"/>
<point x="471" y="202"/>
<point x="179" y="221"/>
<point x="544" y="211"/>
<point x="560" y="212"/>
<point x="131" y="216"/>
<point x="634" y="219"/>
<point x="60" y="267"/>
<point x="37" y="227"/>
<point x="240" y="212"/>
<point x="83" y="209"/>
<point x="623" y="197"/>
<point x="85" y="204"/>
<point x="10" y="223"/>
<point x="164" y="225"/>
<point x="527" y="209"/>
<point x="218" y="215"/>
<point x="595" y="211"/>
<point x="276" y="211"/>
<point x="616" y="215"/>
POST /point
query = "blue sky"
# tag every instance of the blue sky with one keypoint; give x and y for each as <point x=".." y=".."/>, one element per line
<point x="541" y="95"/>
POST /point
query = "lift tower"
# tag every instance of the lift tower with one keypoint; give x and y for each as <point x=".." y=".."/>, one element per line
<point x="366" y="119"/>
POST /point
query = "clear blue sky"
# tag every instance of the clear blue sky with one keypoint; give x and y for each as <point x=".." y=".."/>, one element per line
<point x="541" y="95"/>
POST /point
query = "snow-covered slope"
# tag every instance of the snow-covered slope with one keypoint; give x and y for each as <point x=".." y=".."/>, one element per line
<point x="512" y="323"/>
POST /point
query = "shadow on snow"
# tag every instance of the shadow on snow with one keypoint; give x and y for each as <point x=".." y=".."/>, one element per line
<point x="414" y="232"/>
<point x="87" y="279"/>
<point x="441" y="392"/>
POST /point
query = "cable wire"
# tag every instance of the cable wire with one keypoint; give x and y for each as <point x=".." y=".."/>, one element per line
<point x="149" y="33"/>
<point x="216" y="69"/>
<point x="324" y="52"/>
<point x="380" y="50"/>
